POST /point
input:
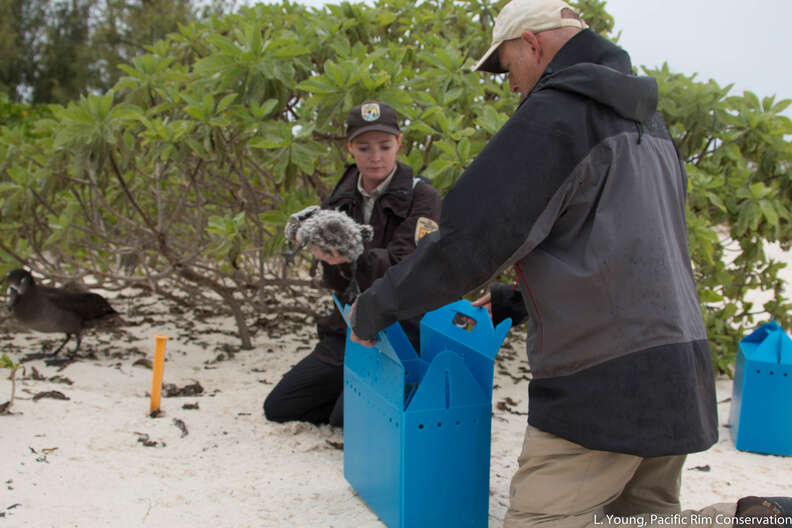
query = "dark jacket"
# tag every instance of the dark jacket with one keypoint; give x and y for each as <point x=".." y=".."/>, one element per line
<point x="583" y="190"/>
<point x="394" y="220"/>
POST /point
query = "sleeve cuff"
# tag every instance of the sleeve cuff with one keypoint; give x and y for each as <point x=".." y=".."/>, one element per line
<point x="507" y="303"/>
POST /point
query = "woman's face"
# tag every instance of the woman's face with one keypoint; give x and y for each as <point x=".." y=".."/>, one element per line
<point x="375" y="156"/>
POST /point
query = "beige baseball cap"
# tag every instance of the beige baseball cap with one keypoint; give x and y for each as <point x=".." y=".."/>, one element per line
<point x="524" y="15"/>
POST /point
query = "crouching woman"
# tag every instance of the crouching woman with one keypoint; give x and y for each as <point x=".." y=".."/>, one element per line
<point x="384" y="193"/>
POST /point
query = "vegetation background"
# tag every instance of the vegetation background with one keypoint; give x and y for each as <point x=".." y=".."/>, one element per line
<point x="164" y="143"/>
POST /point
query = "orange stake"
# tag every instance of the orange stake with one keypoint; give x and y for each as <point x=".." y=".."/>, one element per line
<point x="159" y="365"/>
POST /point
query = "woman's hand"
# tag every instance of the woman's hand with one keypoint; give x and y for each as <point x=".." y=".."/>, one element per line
<point x="332" y="257"/>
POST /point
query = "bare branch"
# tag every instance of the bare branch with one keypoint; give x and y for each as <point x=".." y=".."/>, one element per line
<point x="13" y="253"/>
<point x="128" y="194"/>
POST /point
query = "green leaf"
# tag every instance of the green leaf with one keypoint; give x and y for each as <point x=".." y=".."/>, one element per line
<point x="318" y="86"/>
<point x="196" y="113"/>
<point x="780" y="106"/>
<point x="303" y="158"/>
<point x="225" y="101"/>
<point x="268" y="143"/>
<point x="769" y="212"/>
<point x="710" y="296"/>
<point x="290" y="51"/>
<point x="7" y="363"/>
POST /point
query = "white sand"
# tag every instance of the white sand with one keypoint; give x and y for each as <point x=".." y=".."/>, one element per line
<point x="80" y="463"/>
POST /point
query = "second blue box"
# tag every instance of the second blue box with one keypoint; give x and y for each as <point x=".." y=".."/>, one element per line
<point x="761" y="411"/>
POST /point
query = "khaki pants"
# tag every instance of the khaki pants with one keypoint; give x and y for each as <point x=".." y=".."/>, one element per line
<point x="562" y="484"/>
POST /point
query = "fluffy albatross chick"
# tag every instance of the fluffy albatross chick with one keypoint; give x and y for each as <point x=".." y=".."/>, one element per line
<point x="330" y="231"/>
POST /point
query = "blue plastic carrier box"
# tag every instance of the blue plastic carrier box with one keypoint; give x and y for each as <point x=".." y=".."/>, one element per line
<point x="761" y="411"/>
<point x="417" y="428"/>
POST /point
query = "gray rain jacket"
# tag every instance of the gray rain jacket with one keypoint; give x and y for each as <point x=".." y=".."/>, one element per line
<point x="584" y="192"/>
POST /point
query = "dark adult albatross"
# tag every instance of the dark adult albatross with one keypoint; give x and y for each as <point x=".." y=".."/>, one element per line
<point x="48" y="309"/>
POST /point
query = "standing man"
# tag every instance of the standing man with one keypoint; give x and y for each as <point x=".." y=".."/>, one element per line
<point x="583" y="192"/>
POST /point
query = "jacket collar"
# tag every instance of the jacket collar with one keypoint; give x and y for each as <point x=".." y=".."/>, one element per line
<point x="397" y="197"/>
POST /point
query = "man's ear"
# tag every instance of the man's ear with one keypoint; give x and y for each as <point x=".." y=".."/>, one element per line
<point x="533" y="42"/>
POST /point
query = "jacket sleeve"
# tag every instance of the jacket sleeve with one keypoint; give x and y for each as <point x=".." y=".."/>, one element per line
<point x="374" y="261"/>
<point x="496" y="213"/>
<point x="507" y="303"/>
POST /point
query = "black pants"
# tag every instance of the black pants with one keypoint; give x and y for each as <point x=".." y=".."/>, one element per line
<point x="312" y="391"/>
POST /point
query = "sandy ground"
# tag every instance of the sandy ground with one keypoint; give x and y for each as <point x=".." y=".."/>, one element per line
<point x="96" y="459"/>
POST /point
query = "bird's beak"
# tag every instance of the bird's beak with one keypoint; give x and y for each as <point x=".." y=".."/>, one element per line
<point x="12" y="296"/>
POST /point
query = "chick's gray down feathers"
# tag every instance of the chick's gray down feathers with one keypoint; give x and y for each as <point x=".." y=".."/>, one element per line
<point x="330" y="231"/>
<point x="294" y="223"/>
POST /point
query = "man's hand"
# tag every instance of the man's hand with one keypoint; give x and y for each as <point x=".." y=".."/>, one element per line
<point x="366" y="343"/>
<point x="485" y="301"/>
<point x="332" y="257"/>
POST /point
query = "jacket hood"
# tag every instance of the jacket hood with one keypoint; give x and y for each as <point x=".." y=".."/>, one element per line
<point x="594" y="67"/>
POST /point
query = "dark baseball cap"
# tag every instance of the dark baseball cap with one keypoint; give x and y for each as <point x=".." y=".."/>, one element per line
<point x="372" y="115"/>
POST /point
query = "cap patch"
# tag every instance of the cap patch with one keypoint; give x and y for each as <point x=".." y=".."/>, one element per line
<point x="370" y="112"/>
